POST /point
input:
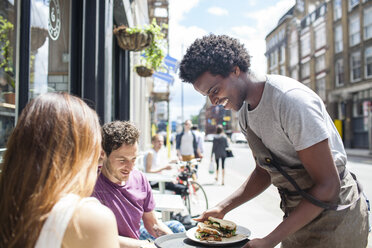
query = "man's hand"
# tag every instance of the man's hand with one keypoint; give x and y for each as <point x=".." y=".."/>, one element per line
<point x="214" y="212"/>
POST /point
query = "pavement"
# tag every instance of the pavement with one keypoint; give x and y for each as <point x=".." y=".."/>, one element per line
<point x="365" y="153"/>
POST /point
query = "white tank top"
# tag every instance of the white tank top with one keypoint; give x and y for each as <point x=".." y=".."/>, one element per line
<point x="54" y="227"/>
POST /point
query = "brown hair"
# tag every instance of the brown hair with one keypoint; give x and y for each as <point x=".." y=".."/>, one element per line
<point x="156" y="137"/>
<point x="219" y="129"/>
<point x="117" y="133"/>
<point x="52" y="151"/>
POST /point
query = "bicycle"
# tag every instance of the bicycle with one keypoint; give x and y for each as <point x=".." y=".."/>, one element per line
<point x="194" y="197"/>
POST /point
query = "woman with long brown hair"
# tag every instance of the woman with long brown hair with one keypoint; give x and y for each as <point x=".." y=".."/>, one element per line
<point x="48" y="173"/>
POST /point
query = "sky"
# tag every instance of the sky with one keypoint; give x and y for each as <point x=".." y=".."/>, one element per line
<point x="247" y="20"/>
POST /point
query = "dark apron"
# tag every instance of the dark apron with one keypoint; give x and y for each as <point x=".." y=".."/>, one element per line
<point x="345" y="227"/>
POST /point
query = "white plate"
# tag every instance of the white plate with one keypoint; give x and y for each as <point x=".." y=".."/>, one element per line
<point x="241" y="234"/>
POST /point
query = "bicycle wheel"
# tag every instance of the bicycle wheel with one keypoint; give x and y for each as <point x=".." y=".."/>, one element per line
<point x="196" y="201"/>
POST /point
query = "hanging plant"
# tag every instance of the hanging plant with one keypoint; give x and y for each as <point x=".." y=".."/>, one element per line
<point x="152" y="57"/>
<point x="133" y="39"/>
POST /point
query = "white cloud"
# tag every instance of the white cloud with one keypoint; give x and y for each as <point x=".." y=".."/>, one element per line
<point x="180" y="38"/>
<point x="268" y="18"/>
<point x="217" y="11"/>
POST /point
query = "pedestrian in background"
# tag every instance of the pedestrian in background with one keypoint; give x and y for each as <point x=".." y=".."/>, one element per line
<point x="295" y="144"/>
<point x="187" y="143"/>
<point x="49" y="170"/>
<point x="219" y="150"/>
<point x="199" y="140"/>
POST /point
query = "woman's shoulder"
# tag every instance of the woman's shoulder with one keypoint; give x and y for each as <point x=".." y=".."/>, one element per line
<point x="92" y="224"/>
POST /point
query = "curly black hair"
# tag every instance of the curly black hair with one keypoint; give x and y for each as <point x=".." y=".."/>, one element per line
<point x="117" y="133"/>
<point x="218" y="54"/>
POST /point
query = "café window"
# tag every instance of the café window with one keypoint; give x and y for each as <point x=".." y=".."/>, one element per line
<point x="8" y="37"/>
<point x="50" y="54"/>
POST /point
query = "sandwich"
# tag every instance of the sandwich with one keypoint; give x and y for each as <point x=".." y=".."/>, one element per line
<point x="215" y="229"/>
<point x="205" y="232"/>
<point x="226" y="227"/>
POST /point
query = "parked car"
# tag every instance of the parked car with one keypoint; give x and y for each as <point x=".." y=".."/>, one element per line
<point x="238" y="138"/>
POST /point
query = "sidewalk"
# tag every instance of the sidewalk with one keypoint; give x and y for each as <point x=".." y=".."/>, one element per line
<point x="365" y="153"/>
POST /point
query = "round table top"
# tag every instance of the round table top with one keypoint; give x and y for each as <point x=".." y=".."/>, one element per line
<point x="179" y="240"/>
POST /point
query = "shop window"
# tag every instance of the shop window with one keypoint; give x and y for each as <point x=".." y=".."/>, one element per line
<point x="8" y="37"/>
<point x="338" y="39"/>
<point x="337" y="9"/>
<point x="354" y="30"/>
<point x="339" y="72"/>
<point x="50" y="51"/>
<point x="368" y="62"/>
<point x="355" y="66"/>
<point x="367" y="23"/>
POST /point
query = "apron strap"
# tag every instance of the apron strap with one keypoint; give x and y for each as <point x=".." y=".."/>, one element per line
<point x="256" y="143"/>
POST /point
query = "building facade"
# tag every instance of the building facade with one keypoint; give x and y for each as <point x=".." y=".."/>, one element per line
<point x="327" y="45"/>
<point x="69" y="45"/>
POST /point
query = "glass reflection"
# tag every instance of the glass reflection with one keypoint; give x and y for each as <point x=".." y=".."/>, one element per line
<point x="8" y="27"/>
<point x="49" y="58"/>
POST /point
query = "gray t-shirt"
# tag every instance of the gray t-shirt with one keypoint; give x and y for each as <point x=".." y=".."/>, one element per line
<point x="290" y="117"/>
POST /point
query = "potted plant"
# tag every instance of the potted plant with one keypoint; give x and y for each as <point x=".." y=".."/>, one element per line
<point x="153" y="55"/>
<point x="6" y="62"/>
<point x="133" y="39"/>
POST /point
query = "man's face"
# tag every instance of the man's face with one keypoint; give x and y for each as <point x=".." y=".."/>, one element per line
<point x="188" y="125"/>
<point x="118" y="166"/>
<point x="158" y="142"/>
<point x="228" y="92"/>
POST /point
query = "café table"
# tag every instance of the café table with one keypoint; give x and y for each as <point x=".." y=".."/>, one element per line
<point x="180" y="240"/>
<point x="167" y="203"/>
<point x="161" y="179"/>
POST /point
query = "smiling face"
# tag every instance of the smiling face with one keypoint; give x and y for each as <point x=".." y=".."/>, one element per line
<point x="230" y="92"/>
<point x="119" y="164"/>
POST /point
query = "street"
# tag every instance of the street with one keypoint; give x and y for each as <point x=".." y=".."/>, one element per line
<point x="262" y="214"/>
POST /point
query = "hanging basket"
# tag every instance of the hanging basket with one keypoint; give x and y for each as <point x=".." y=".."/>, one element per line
<point x="132" y="42"/>
<point x="38" y="37"/>
<point x="143" y="71"/>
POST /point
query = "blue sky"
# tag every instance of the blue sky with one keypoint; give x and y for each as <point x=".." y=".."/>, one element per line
<point x="247" y="20"/>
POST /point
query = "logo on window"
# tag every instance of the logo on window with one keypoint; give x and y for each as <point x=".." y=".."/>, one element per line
<point x="54" y="20"/>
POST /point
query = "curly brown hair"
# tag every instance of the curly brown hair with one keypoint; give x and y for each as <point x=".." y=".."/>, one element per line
<point x="117" y="133"/>
<point x="218" y="54"/>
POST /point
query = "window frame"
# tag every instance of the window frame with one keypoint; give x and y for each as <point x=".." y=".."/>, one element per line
<point x="353" y="19"/>
<point x="352" y="79"/>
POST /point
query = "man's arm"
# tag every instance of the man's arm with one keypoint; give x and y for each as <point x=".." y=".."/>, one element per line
<point x="154" y="226"/>
<point x="256" y="183"/>
<point x="318" y="162"/>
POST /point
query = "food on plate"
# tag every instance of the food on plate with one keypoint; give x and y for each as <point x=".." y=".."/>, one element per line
<point x="215" y="229"/>
<point x="226" y="227"/>
<point x="205" y="232"/>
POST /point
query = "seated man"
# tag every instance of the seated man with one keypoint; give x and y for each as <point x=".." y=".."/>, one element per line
<point x="156" y="161"/>
<point x="125" y="190"/>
